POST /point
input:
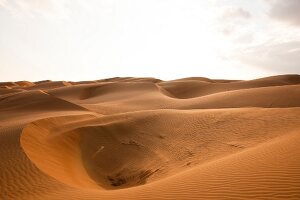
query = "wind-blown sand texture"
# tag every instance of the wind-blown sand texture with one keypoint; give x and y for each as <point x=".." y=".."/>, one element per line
<point x="143" y="138"/>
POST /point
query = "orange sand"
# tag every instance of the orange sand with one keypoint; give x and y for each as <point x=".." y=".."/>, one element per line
<point x="143" y="138"/>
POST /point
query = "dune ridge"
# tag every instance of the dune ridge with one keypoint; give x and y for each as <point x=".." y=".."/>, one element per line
<point x="144" y="138"/>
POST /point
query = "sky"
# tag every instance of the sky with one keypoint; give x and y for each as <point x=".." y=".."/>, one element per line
<point x="167" y="39"/>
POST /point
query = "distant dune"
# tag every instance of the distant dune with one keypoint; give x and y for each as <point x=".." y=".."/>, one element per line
<point x="144" y="138"/>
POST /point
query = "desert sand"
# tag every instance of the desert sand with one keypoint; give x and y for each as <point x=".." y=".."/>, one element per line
<point x="144" y="138"/>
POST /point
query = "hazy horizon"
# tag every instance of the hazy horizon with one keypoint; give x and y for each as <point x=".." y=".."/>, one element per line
<point x="166" y="39"/>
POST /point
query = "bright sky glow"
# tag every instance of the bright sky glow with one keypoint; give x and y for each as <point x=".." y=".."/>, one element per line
<point x="167" y="39"/>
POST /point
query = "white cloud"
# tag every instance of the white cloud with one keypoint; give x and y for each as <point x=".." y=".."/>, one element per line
<point x="285" y="10"/>
<point x="281" y="57"/>
<point x="233" y="13"/>
<point x="245" y="38"/>
<point x="231" y="19"/>
<point x="47" y="8"/>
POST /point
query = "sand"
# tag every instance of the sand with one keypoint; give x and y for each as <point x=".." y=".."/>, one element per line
<point x="143" y="138"/>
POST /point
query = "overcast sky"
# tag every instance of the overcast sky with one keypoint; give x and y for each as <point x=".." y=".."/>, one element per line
<point x="167" y="39"/>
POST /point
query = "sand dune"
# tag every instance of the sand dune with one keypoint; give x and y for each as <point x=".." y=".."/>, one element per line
<point x="143" y="138"/>
<point x="192" y="87"/>
<point x="49" y="85"/>
<point x="115" y="97"/>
